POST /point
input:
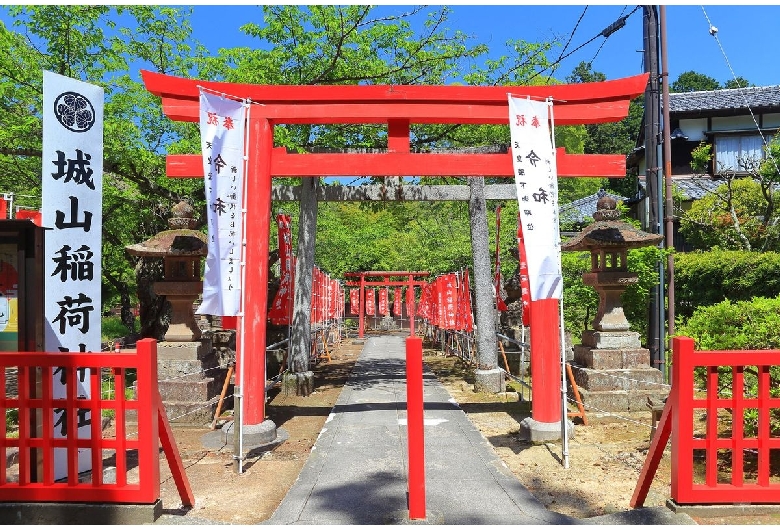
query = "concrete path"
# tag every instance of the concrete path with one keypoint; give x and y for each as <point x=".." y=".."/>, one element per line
<point x="357" y="471"/>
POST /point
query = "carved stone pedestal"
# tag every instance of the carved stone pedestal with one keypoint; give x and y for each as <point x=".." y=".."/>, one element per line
<point x="613" y="372"/>
<point x="190" y="381"/>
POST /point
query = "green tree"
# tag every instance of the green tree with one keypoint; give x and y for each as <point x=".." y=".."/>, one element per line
<point x="86" y="43"/>
<point x="741" y="214"/>
<point x="691" y="81"/>
<point x="737" y="82"/>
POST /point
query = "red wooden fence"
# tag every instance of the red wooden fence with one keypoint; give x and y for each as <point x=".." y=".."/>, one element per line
<point x="714" y="459"/>
<point x="140" y="426"/>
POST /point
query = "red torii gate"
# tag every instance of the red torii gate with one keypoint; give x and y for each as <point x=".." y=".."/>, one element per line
<point x="409" y="283"/>
<point x="398" y="107"/>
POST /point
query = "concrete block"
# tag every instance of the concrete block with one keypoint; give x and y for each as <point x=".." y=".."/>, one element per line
<point x="492" y="381"/>
<point x="632" y="379"/>
<point x="618" y="400"/>
<point x="540" y="432"/>
<point x="79" y="513"/>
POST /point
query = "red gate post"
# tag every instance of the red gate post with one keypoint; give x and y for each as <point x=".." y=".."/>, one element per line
<point x="415" y="427"/>
<point x="545" y="421"/>
<point x="250" y="350"/>
<point x="361" y="306"/>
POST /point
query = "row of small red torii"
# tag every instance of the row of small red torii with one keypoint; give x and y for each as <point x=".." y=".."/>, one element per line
<point x="397" y="107"/>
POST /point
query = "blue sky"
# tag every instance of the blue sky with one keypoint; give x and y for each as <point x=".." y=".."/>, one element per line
<point x="746" y="36"/>
<point x="745" y="43"/>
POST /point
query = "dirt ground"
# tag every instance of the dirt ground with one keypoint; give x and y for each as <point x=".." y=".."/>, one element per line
<point x="605" y="456"/>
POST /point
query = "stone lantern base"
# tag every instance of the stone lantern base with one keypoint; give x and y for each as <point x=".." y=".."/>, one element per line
<point x="613" y="372"/>
<point x="190" y="381"/>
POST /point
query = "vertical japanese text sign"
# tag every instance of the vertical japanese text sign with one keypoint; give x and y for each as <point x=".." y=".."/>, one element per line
<point x="222" y="126"/>
<point x="536" y="178"/>
<point x="72" y="193"/>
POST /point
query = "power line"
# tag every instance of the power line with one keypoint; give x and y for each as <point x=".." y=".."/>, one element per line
<point x="606" y="33"/>
<point x="714" y="32"/>
<point x="571" y="36"/>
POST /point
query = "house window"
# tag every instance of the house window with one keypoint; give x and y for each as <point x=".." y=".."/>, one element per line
<point x="736" y="152"/>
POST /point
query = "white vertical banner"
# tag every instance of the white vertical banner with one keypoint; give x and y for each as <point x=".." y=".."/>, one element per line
<point x="222" y="128"/>
<point x="72" y="194"/>
<point x="536" y="179"/>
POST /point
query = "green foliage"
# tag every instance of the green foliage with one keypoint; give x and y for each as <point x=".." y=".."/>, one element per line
<point x="701" y="157"/>
<point x="736" y="216"/>
<point x="707" y="278"/>
<point x="11" y="420"/>
<point x="742" y="325"/>
<point x="112" y="328"/>
<point x="691" y="81"/>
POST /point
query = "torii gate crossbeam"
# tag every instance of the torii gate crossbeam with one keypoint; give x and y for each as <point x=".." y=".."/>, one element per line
<point x="398" y="107"/>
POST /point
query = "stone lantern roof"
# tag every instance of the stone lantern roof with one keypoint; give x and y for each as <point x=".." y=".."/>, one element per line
<point x="608" y="232"/>
<point x="180" y="241"/>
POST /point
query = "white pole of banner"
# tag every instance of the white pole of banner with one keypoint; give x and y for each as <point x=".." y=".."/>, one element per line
<point x="564" y="410"/>
<point x="239" y="431"/>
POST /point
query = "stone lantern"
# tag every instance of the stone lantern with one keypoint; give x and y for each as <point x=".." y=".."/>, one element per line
<point x="181" y="248"/>
<point x="614" y="372"/>
<point x="608" y="241"/>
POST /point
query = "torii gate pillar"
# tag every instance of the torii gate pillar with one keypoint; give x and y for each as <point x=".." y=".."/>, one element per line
<point x="250" y="367"/>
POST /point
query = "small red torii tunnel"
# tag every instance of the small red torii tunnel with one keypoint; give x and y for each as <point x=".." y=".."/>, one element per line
<point x="398" y="107"/>
<point x="410" y="283"/>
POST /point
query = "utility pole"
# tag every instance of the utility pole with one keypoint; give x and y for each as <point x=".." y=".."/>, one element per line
<point x="653" y="176"/>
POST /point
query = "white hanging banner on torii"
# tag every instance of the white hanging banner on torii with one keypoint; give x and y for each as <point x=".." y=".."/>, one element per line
<point x="222" y="129"/>
<point x="536" y="179"/>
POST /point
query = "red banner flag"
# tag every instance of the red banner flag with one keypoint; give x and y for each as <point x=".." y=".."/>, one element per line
<point x="500" y="304"/>
<point x="370" y="301"/>
<point x="384" y="303"/>
<point x="354" y="301"/>
<point x="397" y="302"/>
<point x="525" y="285"/>
<point x="281" y="307"/>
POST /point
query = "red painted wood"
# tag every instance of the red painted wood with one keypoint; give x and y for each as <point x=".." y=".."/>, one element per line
<point x="416" y="164"/>
<point x="654" y="455"/>
<point x="145" y="443"/>
<point x="256" y="227"/>
<point x="415" y="427"/>
<point x="174" y="458"/>
<point x="546" y="363"/>
<point x="686" y="407"/>
<point x="161" y="85"/>
<point x="424" y="113"/>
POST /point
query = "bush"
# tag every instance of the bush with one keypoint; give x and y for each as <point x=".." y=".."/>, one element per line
<point x="707" y="278"/>
<point x="112" y="328"/>
<point x="741" y="325"/>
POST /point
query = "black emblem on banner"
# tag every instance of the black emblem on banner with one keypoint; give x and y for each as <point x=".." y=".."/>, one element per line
<point x="74" y="112"/>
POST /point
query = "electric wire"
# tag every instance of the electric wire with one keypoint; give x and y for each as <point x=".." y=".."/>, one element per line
<point x="714" y="32"/>
<point x="571" y="36"/>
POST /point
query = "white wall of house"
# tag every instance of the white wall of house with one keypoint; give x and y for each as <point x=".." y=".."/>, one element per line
<point x="694" y="129"/>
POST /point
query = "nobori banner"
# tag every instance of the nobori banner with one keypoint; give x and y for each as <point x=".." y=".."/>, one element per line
<point x="536" y="179"/>
<point x="72" y="195"/>
<point x="222" y="128"/>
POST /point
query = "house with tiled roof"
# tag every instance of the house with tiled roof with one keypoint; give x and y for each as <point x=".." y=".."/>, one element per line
<point x="737" y="122"/>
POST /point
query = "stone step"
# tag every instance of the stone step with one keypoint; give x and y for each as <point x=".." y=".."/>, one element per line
<point x="630" y="379"/>
<point x="611" y="359"/>
<point x="200" y="391"/>
<point x="618" y="400"/>
<point x="190" y="413"/>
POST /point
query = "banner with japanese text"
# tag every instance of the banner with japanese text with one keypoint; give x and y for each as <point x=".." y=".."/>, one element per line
<point x="370" y="301"/>
<point x="72" y="198"/>
<point x="397" y="302"/>
<point x="222" y="127"/>
<point x="354" y="301"/>
<point x="281" y="309"/>
<point x="525" y="286"/>
<point x="536" y="180"/>
<point x="384" y="302"/>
